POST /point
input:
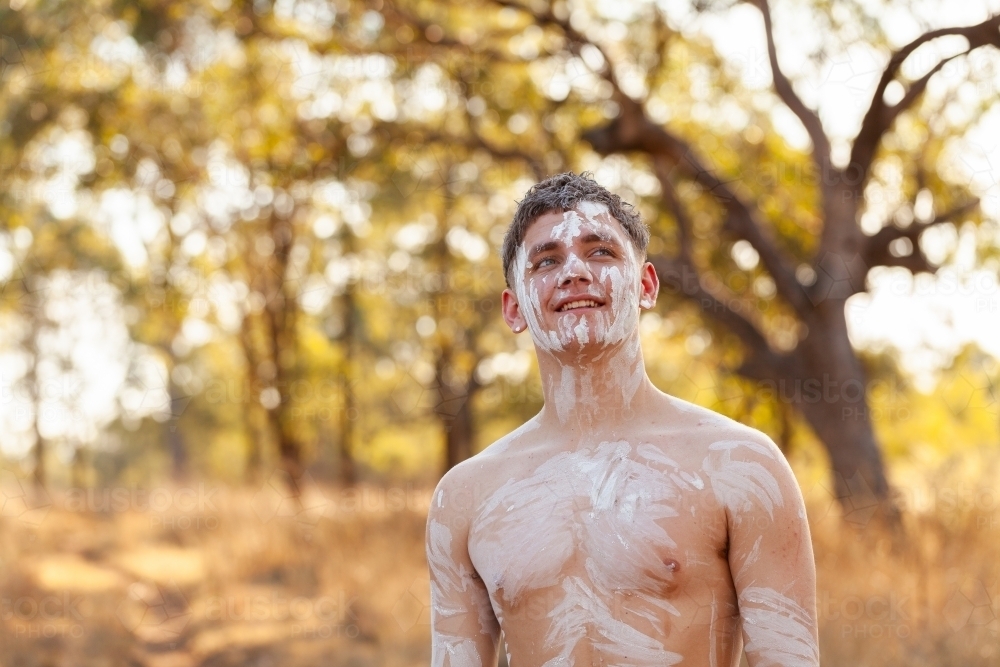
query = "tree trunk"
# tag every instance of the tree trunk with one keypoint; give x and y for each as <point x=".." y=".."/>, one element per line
<point x="252" y="419"/>
<point x="40" y="480"/>
<point x="454" y="400"/>
<point x="80" y="468"/>
<point x="281" y="316"/>
<point x="833" y="398"/>
<point x="36" y="307"/>
<point x="456" y="417"/>
<point x="255" y="440"/>
<point x="347" y="472"/>
<point x="175" y="439"/>
<point x="454" y="410"/>
<point x="282" y="425"/>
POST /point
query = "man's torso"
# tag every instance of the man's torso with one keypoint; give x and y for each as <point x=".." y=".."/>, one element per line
<point x="608" y="550"/>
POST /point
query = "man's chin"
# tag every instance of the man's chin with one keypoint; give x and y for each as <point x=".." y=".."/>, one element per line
<point x="581" y="319"/>
<point x="593" y="347"/>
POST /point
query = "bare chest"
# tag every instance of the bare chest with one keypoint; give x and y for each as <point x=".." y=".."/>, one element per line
<point x="615" y="519"/>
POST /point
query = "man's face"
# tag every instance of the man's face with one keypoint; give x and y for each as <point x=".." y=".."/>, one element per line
<point x="578" y="281"/>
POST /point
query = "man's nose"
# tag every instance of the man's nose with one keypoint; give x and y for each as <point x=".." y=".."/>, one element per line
<point x="574" y="269"/>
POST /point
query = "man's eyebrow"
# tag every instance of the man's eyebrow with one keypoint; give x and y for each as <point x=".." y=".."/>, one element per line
<point x="591" y="237"/>
<point x="596" y="237"/>
<point x="543" y="247"/>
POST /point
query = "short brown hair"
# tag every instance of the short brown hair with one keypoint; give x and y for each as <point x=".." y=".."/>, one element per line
<point x="560" y="193"/>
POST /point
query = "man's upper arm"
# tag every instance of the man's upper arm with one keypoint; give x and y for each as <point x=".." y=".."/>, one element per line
<point x="464" y="630"/>
<point x="770" y="551"/>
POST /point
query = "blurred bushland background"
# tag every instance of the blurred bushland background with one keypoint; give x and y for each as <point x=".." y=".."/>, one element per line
<point x="249" y="298"/>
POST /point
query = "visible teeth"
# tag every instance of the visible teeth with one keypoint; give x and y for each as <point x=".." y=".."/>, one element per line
<point x="587" y="303"/>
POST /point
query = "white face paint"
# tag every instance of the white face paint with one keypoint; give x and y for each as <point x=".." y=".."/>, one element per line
<point x="617" y="286"/>
<point x="610" y="330"/>
<point x="569" y="228"/>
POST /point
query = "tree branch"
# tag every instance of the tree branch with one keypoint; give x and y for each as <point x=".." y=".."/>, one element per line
<point x="880" y="116"/>
<point x="575" y="38"/>
<point x="783" y="87"/>
<point x="683" y="278"/>
<point x="474" y="141"/>
<point x="663" y="34"/>
<point x="681" y="274"/>
<point x="632" y="130"/>
<point x="477" y="141"/>
<point x="669" y="193"/>
<point x="407" y="52"/>
<point x="877" y="252"/>
<point x="760" y="361"/>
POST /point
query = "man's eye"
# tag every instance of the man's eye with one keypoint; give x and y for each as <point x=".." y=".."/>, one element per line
<point x="543" y="260"/>
<point x="606" y="251"/>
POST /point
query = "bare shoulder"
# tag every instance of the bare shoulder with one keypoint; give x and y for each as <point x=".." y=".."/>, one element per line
<point x="702" y="430"/>
<point x="463" y="488"/>
<point x="744" y="469"/>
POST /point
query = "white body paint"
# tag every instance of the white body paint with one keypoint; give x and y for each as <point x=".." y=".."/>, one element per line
<point x="741" y="485"/>
<point x="620" y="526"/>
<point x="779" y="629"/>
<point x="601" y="507"/>
<point x="457" y="649"/>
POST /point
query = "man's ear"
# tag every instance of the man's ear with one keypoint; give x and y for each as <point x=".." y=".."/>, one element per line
<point x="649" y="286"/>
<point x="512" y="312"/>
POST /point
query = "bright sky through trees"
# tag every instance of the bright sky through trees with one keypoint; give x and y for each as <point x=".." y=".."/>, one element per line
<point x="927" y="320"/>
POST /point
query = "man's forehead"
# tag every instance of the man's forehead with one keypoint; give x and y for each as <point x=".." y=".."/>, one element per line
<point x="585" y="218"/>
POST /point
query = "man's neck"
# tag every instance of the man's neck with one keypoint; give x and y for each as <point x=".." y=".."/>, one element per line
<point x="594" y="391"/>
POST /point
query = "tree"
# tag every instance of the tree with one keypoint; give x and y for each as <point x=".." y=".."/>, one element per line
<point x="840" y="262"/>
<point x="292" y="154"/>
<point x="451" y="285"/>
<point x="808" y="253"/>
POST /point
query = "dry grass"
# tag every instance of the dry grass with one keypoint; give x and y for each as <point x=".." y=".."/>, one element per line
<point x="243" y="578"/>
<point x="930" y="598"/>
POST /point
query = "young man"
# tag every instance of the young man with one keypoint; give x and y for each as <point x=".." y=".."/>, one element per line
<point x="620" y="525"/>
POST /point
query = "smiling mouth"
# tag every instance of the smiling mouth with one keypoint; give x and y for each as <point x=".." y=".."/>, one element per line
<point x="582" y="303"/>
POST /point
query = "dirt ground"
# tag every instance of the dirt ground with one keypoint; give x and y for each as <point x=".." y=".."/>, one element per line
<point x="209" y="575"/>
